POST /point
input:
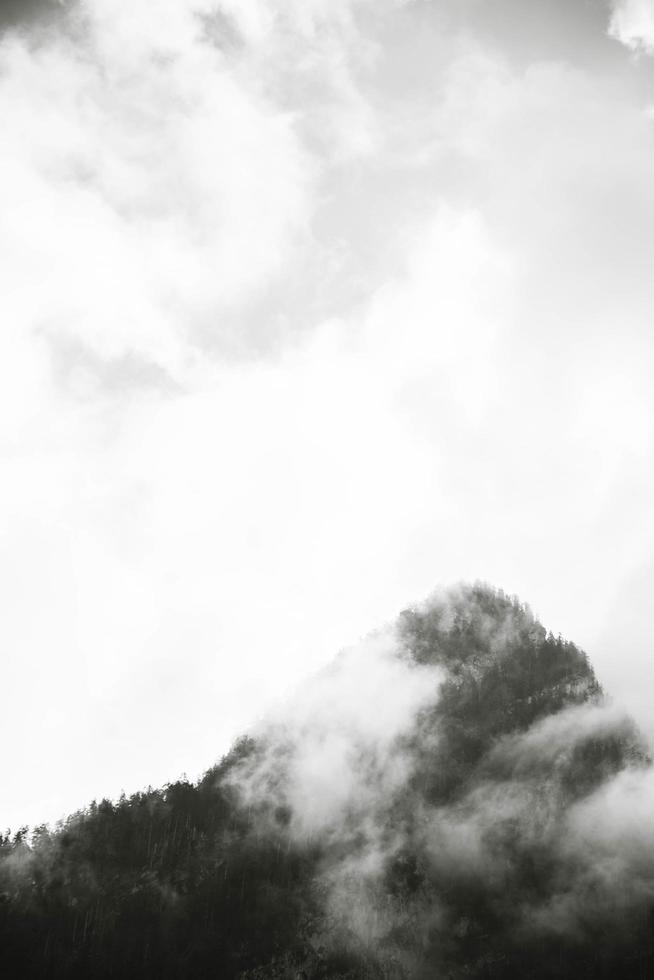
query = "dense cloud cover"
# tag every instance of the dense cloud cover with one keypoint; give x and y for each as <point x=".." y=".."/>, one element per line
<point x="454" y="797"/>
<point x="298" y="295"/>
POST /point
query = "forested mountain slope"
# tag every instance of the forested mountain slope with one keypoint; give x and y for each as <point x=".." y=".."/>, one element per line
<point x="453" y="798"/>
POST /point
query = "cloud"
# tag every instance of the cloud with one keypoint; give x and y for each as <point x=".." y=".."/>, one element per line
<point x="632" y="23"/>
<point x="612" y="824"/>
<point x="333" y="752"/>
<point x="142" y="203"/>
<point x="300" y="297"/>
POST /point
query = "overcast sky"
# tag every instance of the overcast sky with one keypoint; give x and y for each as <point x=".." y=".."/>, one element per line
<point x="309" y="306"/>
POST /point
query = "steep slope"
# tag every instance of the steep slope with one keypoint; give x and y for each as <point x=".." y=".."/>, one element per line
<point x="453" y="798"/>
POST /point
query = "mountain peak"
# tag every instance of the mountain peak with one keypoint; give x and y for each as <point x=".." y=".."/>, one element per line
<point x="446" y="800"/>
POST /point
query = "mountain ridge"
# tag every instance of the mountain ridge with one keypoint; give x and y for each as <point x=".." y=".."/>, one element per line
<point x="435" y="805"/>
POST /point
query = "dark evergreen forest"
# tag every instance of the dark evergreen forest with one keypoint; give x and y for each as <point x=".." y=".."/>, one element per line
<point x="488" y="858"/>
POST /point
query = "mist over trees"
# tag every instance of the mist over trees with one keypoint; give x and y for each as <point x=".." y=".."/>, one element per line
<point x="456" y="797"/>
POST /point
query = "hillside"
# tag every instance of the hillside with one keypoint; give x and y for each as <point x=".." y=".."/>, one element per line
<point x="456" y="797"/>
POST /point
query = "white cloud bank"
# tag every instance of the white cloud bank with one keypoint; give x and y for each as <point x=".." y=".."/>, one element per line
<point x="144" y="188"/>
<point x="632" y="23"/>
<point x="307" y="307"/>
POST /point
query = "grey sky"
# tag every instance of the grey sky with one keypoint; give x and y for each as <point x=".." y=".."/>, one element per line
<point x="308" y="308"/>
<point x="28" y="14"/>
